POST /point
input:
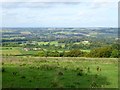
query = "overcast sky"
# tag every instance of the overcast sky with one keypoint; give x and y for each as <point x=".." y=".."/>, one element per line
<point x="60" y="14"/>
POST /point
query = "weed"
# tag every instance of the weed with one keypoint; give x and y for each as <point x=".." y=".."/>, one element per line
<point x="55" y="83"/>
<point x="14" y="73"/>
<point x="3" y="69"/>
<point x="71" y="86"/>
<point x="88" y="69"/>
<point x="38" y="67"/>
<point x="23" y="77"/>
<point x="78" y="83"/>
<point x="65" y="68"/>
<point x="60" y="73"/>
<point x="98" y="68"/>
<point x="80" y="73"/>
<point x="94" y="84"/>
<point x="31" y="67"/>
<point x="30" y="80"/>
<point x="96" y="75"/>
<point x="2" y="63"/>
<point x="23" y="64"/>
<point x="77" y="68"/>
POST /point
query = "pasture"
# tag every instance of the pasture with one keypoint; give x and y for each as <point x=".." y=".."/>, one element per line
<point x="9" y="51"/>
<point x="59" y="72"/>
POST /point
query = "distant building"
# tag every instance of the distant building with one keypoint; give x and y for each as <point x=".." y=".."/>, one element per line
<point x="26" y="49"/>
<point x="85" y="42"/>
<point x="36" y="49"/>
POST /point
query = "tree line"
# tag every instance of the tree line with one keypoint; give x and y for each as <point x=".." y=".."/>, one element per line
<point x="107" y="51"/>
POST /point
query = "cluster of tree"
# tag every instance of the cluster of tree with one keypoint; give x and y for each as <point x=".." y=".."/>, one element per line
<point x="14" y="40"/>
<point x="11" y="44"/>
<point x="74" y="53"/>
<point x="107" y="52"/>
<point x="69" y="40"/>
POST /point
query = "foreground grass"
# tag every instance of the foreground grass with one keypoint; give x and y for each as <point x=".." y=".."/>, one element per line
<point x="59" y="72"/>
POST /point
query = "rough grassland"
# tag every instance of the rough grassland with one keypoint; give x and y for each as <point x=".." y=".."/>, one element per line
<point x="64" y="72"/>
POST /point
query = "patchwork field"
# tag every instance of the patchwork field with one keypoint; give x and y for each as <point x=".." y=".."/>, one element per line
<point x="59" y="72"/>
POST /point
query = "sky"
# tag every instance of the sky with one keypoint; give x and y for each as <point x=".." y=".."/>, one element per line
<point x="59" y="14"/>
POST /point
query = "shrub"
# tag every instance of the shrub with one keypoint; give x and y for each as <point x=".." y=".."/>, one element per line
<point x="80" y="73"/>
<point x="115" y="53"/>
<point x="41" y="54"/>
<point x="101" y="52"/>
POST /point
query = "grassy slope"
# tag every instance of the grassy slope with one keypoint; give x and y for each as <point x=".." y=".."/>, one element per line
<point x="45" y="72"/>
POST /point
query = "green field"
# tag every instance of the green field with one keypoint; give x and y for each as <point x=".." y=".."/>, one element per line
<point x="51" y="43"/>
<point x="10" y="51"/>
<point x="59" y="72"/>
<point x="13" y="51"/>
